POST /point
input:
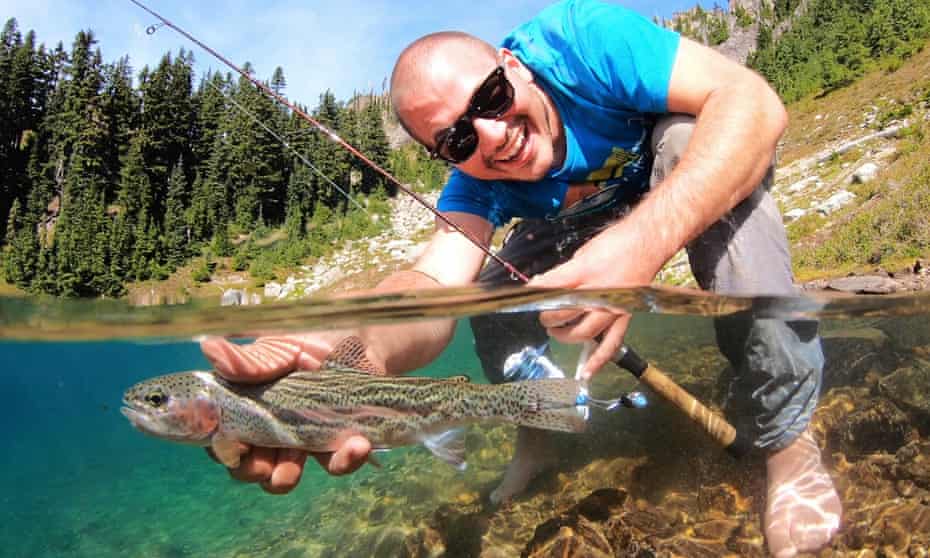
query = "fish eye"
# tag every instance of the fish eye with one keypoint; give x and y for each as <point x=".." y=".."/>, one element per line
<point x="156" y="398"/>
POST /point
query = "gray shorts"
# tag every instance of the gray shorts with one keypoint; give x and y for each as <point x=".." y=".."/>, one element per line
<point x="777" y="364"/>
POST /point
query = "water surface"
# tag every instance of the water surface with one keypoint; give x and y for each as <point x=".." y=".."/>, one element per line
<point x="77" y="480"/>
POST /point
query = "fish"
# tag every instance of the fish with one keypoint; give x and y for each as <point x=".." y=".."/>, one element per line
<point x="317" y="410"/>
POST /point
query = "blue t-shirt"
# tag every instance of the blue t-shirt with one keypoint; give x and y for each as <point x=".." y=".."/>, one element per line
<point x="607" y="69"/>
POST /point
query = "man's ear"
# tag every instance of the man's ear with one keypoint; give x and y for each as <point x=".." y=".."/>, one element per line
<point x="513" y="64"/>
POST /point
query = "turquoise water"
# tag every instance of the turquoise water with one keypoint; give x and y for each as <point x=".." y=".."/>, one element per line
<point x="77" y="480"/>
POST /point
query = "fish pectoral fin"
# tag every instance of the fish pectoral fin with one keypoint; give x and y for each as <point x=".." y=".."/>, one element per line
<point x="228" y="450"/>
<point x="448" y="446"/>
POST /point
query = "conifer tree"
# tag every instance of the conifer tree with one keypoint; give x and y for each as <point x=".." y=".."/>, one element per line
<point x="176" y="246"/>
<point x="376" y="148"/>
<point x="329" y="158"/>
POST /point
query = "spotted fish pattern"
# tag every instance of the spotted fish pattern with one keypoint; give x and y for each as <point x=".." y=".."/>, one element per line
<point x="317" y="410"/>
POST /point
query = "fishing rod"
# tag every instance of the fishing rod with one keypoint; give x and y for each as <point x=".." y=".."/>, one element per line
<point x="284" y="142"/>
<point x="716" y="426"/>
<point x="331" y="135"/>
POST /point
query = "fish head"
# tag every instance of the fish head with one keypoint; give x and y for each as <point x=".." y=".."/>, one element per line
<point x="179" y="407"/>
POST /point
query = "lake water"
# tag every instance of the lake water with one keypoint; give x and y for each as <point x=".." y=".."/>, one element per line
<point x="77" y="480"/>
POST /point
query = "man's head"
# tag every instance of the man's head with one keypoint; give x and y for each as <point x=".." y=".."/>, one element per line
<point x="432" y="86"/>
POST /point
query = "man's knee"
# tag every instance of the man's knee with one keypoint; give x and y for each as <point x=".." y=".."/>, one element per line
<point x="670" y="138"/>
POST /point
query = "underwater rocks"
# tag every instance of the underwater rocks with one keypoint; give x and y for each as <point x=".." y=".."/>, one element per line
<point x="850" y="354"/>
<point x="909" y="388"/>
<point x="608" y="522"/>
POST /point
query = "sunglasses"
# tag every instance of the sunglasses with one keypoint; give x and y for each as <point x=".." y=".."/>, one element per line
<point x="492" y="99"/>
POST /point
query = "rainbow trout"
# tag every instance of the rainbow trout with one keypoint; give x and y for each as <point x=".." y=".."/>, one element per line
<point x="316" y="411"/>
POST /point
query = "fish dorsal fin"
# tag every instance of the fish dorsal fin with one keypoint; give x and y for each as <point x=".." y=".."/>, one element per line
<point x="350" y="353"/>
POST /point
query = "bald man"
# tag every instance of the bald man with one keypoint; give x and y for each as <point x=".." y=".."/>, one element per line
<point x="616" y="143"/>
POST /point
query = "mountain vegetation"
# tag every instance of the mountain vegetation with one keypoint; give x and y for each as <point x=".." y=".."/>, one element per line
<point x="110" y="177"/>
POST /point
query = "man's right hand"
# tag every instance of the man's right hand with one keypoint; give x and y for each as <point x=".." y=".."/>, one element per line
<point x="278" y="470"/>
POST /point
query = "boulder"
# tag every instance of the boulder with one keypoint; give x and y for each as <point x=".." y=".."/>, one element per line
<point x="865" y="284"/>
<point x="835" y="202"/>
<point x="865" y="173"/>
<point x="233" y="297"/>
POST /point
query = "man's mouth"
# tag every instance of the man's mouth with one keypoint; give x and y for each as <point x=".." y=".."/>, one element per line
<point x="516" y="149"/>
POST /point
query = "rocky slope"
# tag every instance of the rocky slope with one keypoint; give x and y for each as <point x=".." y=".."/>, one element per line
<point x="842" y="153"/>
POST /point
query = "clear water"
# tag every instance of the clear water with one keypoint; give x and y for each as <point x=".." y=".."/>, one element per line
<point x="77" y="480"/>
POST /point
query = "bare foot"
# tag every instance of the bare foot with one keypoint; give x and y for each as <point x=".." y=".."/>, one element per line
<point x="802" y="508"/>
<point x="534" y="454"/>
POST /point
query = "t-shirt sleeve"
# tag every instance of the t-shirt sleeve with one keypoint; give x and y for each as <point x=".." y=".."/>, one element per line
<point x="468" y="195"/>
<point x="613" y="54"/>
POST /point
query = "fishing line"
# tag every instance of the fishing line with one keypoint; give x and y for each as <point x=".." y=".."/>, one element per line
<point x="287" y="145"/>
<point x="332" y="136"/>
<point x="722" y="431"/>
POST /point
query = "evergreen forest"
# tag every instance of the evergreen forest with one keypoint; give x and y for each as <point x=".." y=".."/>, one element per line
<point x="110" y="177"/>
<point x="815" y="47"/>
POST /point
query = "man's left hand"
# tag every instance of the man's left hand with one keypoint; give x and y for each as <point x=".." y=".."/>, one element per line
<point x="594" y="266"/>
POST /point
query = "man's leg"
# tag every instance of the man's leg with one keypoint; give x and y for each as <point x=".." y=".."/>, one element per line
<point x="777" y="364"/>
<point x="533" y="247"/>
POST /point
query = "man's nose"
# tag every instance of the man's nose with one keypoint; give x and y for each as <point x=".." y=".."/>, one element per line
<point x="492" y="133"/>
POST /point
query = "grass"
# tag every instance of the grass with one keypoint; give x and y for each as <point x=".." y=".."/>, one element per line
<point x="887" y="224"/>
<point x="842" y="112"/>
<point x="890" y="230"/>
<point x="9" y="290"/>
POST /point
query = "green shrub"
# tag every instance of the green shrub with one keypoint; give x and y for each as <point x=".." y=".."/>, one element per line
<point x="203" y="271"/>
<point x="262" y="267"/>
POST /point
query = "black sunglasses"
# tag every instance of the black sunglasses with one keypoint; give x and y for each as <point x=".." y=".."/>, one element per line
<point x="492" y="99"/>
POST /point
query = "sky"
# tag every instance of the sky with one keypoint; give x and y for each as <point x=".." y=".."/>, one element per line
<point x="344" y="45"/>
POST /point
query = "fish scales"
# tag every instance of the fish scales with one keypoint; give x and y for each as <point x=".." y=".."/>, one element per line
<point x="315" y="411"/>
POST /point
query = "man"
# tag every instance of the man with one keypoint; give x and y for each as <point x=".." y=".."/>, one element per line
<point x="579" y="124"/>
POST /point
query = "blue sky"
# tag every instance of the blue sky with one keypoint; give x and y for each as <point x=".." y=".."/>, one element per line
<point x="343" y="45"/>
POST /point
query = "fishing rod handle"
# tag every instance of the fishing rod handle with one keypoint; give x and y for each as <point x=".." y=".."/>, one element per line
<point x="715" y="425"/>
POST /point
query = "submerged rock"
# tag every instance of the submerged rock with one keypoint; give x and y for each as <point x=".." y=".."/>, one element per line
<point x="908" y="388"/>
<point x="851" y="354"/>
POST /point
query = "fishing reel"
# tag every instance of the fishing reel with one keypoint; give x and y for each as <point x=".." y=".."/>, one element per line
<point x="531" y="363"/>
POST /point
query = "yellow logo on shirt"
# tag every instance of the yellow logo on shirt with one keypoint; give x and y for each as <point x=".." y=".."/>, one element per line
<point x="614" y="165"/>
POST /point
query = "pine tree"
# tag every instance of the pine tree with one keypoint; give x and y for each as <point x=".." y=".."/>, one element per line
<point x="329" y="158"/>
<point x="176" y="246"/>
<point x="122" y="108"/>
<point x="376" y="148"/>
<point x="210" y="103"/>
<point x="278" y="83"/>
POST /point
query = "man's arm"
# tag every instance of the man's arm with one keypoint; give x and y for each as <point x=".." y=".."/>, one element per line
<point x="450" y="260"/>
<point x="739" y="121"/>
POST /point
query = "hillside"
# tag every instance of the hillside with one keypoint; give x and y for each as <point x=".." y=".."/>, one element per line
<point x="196" y="217"/>
<point x="838" y="217"/>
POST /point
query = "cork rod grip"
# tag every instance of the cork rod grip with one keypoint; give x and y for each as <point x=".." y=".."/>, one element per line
<point x="715" y="425"/>
<point x="712" y="423"/>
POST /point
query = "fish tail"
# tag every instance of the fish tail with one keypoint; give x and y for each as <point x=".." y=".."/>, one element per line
<point x="550" y="404"/>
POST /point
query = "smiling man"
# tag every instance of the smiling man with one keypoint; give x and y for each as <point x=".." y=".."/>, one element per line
<point x="617" y="143"/>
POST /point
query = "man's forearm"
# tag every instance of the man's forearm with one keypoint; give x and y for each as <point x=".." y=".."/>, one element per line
<point x="731" y="147"/>
<point x="399" y="348"/>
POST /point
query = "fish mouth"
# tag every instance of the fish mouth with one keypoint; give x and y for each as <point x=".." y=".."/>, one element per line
<point x="138" y="418"/>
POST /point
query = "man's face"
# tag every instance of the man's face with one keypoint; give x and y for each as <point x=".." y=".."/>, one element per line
<point x="521" y="144"/>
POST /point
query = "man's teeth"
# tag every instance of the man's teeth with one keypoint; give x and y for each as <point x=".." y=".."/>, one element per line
<point x="517" y="146"/>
